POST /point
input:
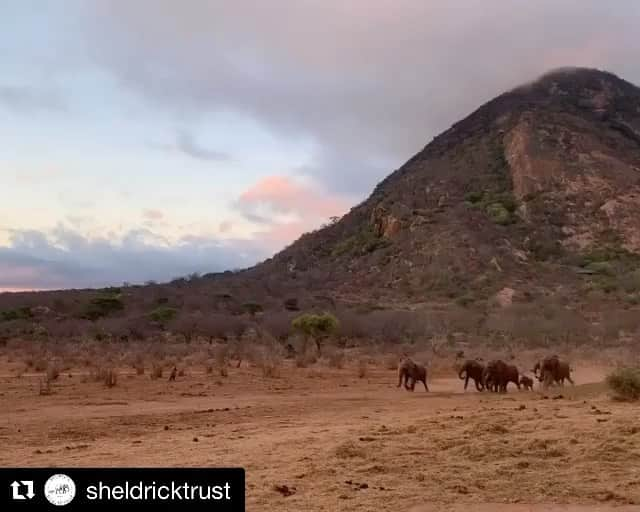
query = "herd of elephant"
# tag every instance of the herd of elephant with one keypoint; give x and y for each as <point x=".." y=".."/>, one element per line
<point x="494" y="376"/>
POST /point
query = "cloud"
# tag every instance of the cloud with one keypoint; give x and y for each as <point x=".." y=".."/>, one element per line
<point x="368" y="83"/>
<point x="225" y="226"/>
<point x="152" y="214"/>
<point x="186" y="144"/>
<point x="189" y="146"/>
<point x="287" y="207"/>
<point x="29" y="100"/>
<point x="64" y="258"/>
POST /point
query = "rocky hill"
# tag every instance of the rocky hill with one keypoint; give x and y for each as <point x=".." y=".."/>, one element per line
<point x="533" y="191"/>
<point x="529" y="205"/>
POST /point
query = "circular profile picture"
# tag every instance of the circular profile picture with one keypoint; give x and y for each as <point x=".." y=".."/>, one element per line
<point x="60" y="490"/>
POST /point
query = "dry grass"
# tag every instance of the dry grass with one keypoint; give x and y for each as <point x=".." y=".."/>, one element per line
<point x="328" y="433"/>
<point x="363" y="368"/>
<point x="306" y="359"/>
<point x="157" y="370"/>
<point x="391" y="362"/>
<point x="53" y="372"/>
<point x="336" y="358"/>
<point x="349" y="450"/>
<point x="110" y="377"/>
<point x="44" y="387"/>
<point x="269" y="359"/>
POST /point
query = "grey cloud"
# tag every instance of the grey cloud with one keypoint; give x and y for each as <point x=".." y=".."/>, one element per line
<point x="63" y="258"/>
<point x="190" y="147"/>
<point x="187" y="145"/>
<point x="369" y="83"/>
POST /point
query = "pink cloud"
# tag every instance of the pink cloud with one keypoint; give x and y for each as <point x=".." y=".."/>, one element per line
<point x="289" y="208"/>
<point x="152" y="214"/>
<point x="225" y="226"/>
<point x="284" y="195"/>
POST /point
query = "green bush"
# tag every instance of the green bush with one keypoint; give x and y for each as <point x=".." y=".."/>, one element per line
<point x="601" y="267"/>
<point x="508" y="201"/>
<point x="316" y="327"/>
<point x="631" y="281"/>
<point x="252" y="308"/>
<point x="363" y="242"/>
<point x="102" y="306"/>
<point x="163" y="314"/>
<point x="22" y="313"/>
<point x="474" y="197"/>
<point x="465" y="300"/>
<point x="625" y="383"/>
<point x="499" y="214"/>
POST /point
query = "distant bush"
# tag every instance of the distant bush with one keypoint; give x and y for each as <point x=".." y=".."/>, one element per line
<point x="600" y="267"/>
<point x="546" y="249"/>
<point x="631" y="281"/>
<point x="499" y="214"/>
<point x="625" y="383"/>
<point x="363" y="242"/>
<point x="22" y="313"/>
<point x="466" y="300"/>
<point x="474" y="197"/>
<point x="163" y="314"/>
<point x="291" y="304"/>
<point x="252" y="308"/>
<point x="316" y="327"/>
<point x="102" y="306"/>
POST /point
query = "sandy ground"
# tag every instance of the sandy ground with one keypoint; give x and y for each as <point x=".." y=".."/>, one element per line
<point x="340" y="442"/>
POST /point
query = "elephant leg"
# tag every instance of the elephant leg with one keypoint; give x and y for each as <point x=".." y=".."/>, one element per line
<point x="466" y="382"/>
<point x="426" y="388"/>
<point x="478" y="385"/>
<point x="410" y="384"/>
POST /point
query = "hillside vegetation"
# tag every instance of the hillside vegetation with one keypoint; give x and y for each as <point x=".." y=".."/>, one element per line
<point x="520" y="223"/>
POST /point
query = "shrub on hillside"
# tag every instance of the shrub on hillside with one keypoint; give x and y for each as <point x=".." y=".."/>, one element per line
<point x="625" y="383"/>
<point x="163" y="314"/>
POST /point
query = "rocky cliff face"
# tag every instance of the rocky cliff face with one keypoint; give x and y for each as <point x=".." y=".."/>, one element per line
<point x="536" y="189"/>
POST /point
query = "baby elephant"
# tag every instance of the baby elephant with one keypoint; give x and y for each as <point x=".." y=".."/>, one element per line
<point x="527" y="382"/>
<point x="411" y="373"/>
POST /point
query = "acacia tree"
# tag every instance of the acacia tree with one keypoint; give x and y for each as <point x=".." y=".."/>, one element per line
<point x="316" y="327"/>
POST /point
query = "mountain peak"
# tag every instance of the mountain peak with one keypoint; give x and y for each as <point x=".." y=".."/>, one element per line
<point x="540" y="176"/>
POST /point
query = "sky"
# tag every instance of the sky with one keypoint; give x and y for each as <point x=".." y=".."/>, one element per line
<point x="150" y="139"/>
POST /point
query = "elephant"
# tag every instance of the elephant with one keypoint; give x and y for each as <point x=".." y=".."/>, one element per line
<point x="498" y="374"/>
<point x="472" y="370"/>
<point x="548" y="364"/>
<point x="412" y="372"/>
<point x="562" y="372"/>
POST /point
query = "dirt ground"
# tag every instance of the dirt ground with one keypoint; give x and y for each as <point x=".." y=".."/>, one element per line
<point x="340" y="442"/>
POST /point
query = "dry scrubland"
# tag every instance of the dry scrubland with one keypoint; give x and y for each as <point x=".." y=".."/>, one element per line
<point x="328" y="434"/>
